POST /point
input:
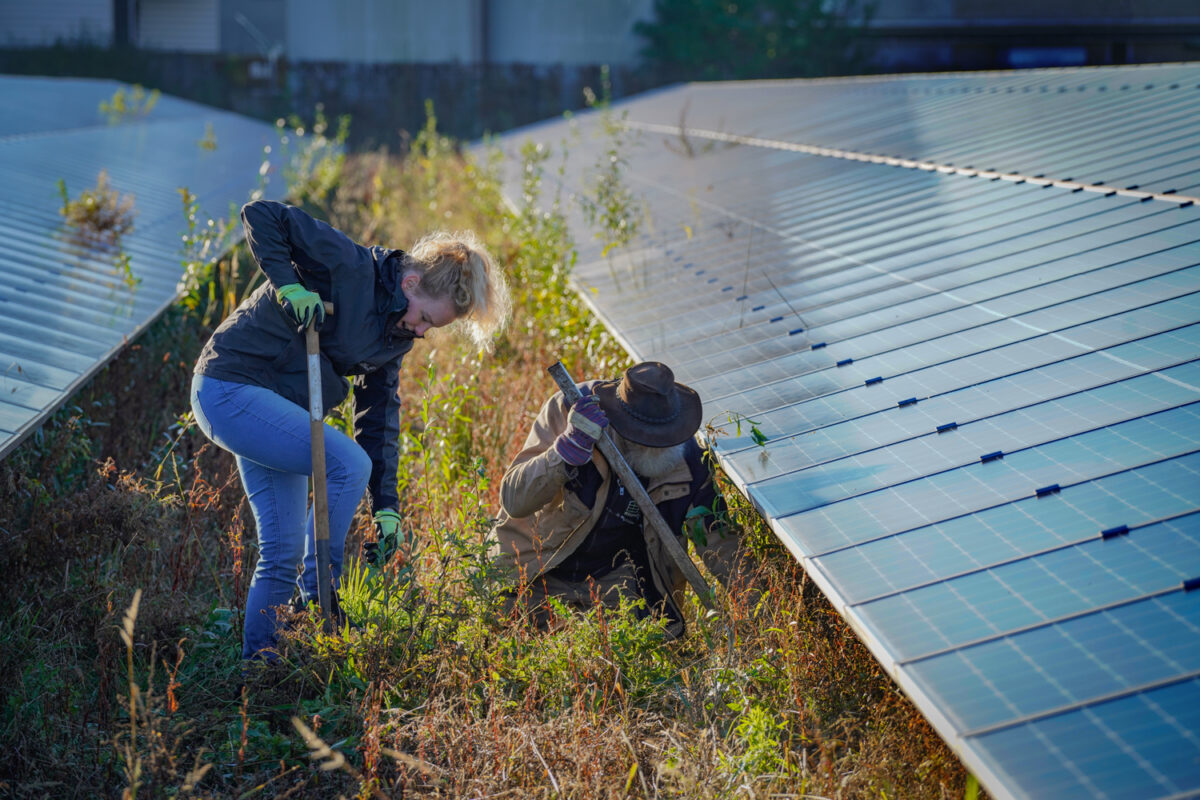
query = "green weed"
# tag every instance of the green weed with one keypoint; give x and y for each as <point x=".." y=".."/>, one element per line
<point x="608" y="204"/>
<point x="212" y="286"/>
<point x="758" y="734"/>
<point x="314" y="159"/>
<point x="98" y="219"/>
<point x="129" y="104"/>
<point x="99" y="215"/>
<point x="209" y="141"/>
<point x="125" y="268"/>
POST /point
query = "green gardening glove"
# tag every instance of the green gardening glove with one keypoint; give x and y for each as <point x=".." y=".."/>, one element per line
<point x="301" y="304"/>
<point x="391" y="537"/>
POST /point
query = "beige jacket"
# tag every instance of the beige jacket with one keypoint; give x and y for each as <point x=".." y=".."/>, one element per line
<point x="541" y="523"/>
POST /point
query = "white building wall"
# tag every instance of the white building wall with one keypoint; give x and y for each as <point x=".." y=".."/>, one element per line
<point x="383" y="30"/>
<point x="23" y="22"/>
<point x="189" y="26"/>
<point x="254" y="27"/>
<point x="561" y="32"/>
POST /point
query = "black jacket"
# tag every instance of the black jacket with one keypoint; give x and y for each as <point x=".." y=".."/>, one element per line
<point x="259" y="343"/>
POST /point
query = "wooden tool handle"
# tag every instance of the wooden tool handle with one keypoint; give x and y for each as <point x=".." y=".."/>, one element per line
<point x="316" y="428"/>
<point x="653" y="516"/>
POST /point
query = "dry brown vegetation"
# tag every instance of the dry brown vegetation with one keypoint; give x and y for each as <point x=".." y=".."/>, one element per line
<point x="440" y="695"/>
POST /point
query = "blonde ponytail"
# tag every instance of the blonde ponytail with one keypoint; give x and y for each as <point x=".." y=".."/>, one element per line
<point x="457" y="266"/>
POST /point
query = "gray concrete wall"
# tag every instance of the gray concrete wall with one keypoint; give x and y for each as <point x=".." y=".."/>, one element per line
<point x="539" y="32"/>
<point x="558" y="32"/>
<point x="382" y="31"/>
<point x="44" y="23"/>
<point x="180" y="26"/>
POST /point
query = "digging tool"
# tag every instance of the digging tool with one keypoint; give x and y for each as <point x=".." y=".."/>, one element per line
<point x="654" y="518"/>
<point x="316" y="427"/>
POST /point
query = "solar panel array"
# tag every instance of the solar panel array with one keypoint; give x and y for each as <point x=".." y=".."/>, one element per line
<point x="965" y="311"/>
<point x="67" y="308"/>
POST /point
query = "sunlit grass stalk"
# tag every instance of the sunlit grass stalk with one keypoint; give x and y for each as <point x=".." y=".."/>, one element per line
<point x="133" y="761"/>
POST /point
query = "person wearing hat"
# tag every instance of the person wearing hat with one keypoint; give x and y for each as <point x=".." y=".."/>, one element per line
<point x="567" y="527"/>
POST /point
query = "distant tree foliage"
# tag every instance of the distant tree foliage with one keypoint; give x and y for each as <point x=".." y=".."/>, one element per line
<point x="736" y="39"/>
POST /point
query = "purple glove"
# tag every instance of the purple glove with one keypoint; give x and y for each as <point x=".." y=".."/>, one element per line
<point x="585" y="423"/>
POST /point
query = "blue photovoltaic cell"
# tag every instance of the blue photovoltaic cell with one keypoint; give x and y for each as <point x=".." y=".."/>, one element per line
<point x="873" y="285"/>
<point x="1010" y="432"/>
<point x="903" y="332"/>
<point x="784" y="414"/>
<point x="1031" y="590"/>
<point x="1045" y="318"/>
<point x="1134" y="643"/>
<point x="887" y="307"/>
<point x="1021" y="362"/>
<point x="1139" y="746"/>
<point x="1015" y="530"/>
<point x="963" y="490"/>
<point x="976" y="401"/>
<point x="939" y="339"/>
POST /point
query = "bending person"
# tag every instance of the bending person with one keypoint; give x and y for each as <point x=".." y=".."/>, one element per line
<point x="250" y="387"/>
<point x="568" y="528"/>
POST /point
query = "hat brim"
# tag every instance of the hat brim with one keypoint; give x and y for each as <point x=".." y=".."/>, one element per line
<point x="679" y="430"/>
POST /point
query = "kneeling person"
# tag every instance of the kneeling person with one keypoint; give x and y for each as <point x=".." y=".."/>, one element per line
<point x="570" y="530"/>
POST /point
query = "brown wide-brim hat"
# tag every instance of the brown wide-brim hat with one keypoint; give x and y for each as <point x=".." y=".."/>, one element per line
<point x="648" y="407"/>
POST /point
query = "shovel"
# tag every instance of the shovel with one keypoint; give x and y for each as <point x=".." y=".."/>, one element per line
<point x="653" y="517"/>
<point x="316" y="427"/>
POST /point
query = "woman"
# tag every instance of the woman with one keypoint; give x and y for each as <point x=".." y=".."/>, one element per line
<point x="250" y="388"/>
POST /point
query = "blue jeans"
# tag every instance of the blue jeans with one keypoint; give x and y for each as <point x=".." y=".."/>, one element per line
<point x="270" y="438"/>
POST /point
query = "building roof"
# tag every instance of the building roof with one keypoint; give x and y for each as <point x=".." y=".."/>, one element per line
<point x="964" y="311"/>
<point x="67" y="308"/>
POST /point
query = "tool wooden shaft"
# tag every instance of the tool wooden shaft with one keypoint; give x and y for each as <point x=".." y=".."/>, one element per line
<point x="634" y="486"/>
<point x="316" y="428"/>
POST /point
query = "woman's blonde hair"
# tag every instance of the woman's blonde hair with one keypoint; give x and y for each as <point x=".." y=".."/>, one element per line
<point x="457" y="266"/>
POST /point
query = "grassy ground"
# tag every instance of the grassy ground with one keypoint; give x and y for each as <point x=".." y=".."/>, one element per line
<point x="133" y="544"/>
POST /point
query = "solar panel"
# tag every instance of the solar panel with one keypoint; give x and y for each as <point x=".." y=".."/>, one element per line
<point x="965" y="311"/>
<point x="66" y="309"/>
